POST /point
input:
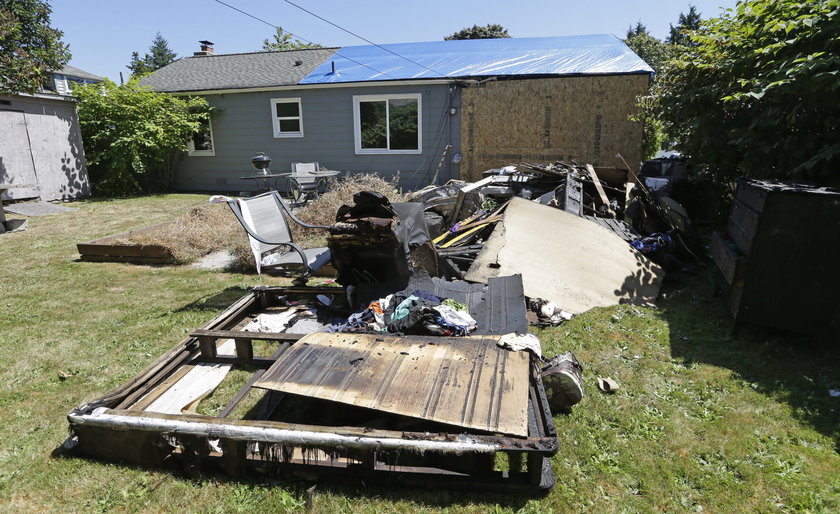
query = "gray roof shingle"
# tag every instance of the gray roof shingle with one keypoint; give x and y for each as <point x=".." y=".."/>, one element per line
<point x="237" y="71"/>
<point x="72" y="71"/>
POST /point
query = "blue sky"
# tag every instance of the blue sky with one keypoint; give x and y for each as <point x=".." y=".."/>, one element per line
<point x="103" y="33"/>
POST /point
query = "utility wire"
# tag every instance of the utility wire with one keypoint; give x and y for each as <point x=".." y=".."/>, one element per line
<point x="363" y="38"/>
<point x="304" y="39"/>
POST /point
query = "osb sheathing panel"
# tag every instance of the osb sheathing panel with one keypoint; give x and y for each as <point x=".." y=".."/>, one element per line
<point x="585" y="119"/>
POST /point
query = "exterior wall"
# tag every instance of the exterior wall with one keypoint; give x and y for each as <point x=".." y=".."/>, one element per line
<point x="40" y="143"/>
<point x="243" y="126"/>
<point x="543" y="120"/>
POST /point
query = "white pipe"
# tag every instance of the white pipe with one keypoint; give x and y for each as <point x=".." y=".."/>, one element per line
<point x="99" y="418"/>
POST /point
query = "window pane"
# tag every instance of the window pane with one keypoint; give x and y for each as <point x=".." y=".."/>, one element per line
<point x="289" y="125"/>
<point x="287" y="109"/>
<point x="403" y="119"/>
<point x="201" y="139"/>
<point x="373" y="123"/>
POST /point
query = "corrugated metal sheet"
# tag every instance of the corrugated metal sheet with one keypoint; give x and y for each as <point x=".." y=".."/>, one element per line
<point x="567" y="55"/>
<point x="468" y="382"/>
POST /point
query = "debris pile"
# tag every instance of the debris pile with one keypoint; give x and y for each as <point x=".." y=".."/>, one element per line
<point x="420" y="368"/>
<point x="542" y="221"/>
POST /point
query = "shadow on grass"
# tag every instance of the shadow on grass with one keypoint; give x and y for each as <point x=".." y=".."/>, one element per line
<point x="432" y="495"/>
<point x="218" y="301"/>
<point x="796" y="369"/>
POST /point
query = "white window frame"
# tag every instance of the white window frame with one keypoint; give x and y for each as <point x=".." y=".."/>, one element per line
<point x="357" y="125"/>
<point x="203" y="153"/>
<point x="275" y="120"/>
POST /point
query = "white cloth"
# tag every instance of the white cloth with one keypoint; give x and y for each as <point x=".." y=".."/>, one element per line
<point x="455" y="317"/>
<point x="517" y="342"/>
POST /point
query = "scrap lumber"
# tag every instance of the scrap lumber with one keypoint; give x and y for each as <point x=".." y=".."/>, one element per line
<point x="600" y="189"/>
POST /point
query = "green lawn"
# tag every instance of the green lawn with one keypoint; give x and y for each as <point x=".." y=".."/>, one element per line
<point x="702" y="421"/>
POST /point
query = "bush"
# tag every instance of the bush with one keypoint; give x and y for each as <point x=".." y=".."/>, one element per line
<point x="133" y="136"/>
<point x="756" y="92"/>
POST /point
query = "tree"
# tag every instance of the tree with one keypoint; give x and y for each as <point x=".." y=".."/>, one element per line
<point x="758" y="93"/>
<point x="656" y="53"/>
<point x="489" y="31"/>
<point x="29" y="48"/>
<point x="159" y="56"/>
<point x="285" y="41"/>
<point x="651" y="50"/>
<point x="680" y="35"/>
<point x="133" y="135"/>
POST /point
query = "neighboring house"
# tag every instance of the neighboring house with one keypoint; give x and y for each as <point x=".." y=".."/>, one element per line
<point x="40" y="141"/>
<point x="431" y="111"/>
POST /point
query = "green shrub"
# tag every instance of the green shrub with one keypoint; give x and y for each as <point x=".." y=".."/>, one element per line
<point x="133" y="136"/>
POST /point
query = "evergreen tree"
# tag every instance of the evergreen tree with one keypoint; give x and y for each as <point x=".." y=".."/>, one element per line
<point x="159" y="56"/>
<point x="651" y="50"/>
<point x="686" y="23"/>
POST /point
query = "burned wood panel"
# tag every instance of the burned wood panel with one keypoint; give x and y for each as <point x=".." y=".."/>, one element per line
<point x="468" y="382"/>
<point x="565" y="118"/>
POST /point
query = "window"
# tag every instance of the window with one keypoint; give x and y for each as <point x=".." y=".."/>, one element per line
<point x="201" y="143"/>
<point x="287" y="117"/>
<point x="387" y="123"/>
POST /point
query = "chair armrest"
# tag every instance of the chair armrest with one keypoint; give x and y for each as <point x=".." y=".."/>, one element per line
<point x="292" y="216"/>
<point x="303" y="259"/>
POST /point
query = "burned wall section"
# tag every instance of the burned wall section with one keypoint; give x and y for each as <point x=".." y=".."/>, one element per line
<point x="580" y="118"/>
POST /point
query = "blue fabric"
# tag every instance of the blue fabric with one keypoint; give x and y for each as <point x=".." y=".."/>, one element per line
<point x="565" y="55"/>
<point x="404" y="308"/>
<point x="653" y="243"/>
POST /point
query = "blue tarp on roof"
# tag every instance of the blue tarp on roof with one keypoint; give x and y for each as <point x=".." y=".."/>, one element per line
<point x="567" y="55"/>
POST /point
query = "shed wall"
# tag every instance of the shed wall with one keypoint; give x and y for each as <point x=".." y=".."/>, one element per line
<point x="585" y="119"/>
<point x="43" y="145"/>
<point x="243" y="126"/>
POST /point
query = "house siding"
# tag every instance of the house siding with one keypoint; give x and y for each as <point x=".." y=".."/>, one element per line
<point x="243" y="126"/>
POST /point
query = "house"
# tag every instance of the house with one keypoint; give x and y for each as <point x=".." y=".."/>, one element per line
<point x="40" y="141"/>
<point x="430" y="111"/>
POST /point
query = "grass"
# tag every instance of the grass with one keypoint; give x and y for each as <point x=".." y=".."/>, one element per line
<point x="702" y="420"/>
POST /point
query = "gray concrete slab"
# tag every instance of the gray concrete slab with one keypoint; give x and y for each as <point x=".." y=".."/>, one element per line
<point x="221" y="260"/>
<point x="37" y="208"/>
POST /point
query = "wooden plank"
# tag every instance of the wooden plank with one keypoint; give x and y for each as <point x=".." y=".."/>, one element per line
<point x="600" y="189"/>
<point x="195" y="385"/>
<point x="155" y="393"/>
<point x="244" y="350"/>
<point x="742" y="226"/>
<point x="234" y="334"/>
<point x="726" y="257"/>
<point x="468" y="382"/>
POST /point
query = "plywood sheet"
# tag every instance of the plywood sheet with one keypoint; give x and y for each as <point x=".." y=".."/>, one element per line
<point x="581" y="118"/>
<point x="569" y="260"/>
<point x="469" y="381"/>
